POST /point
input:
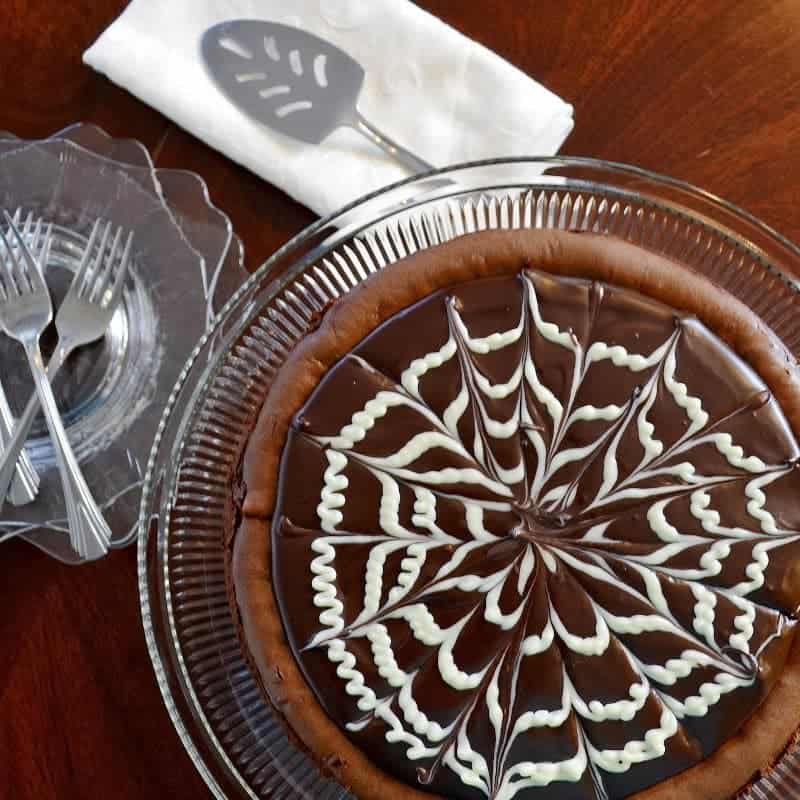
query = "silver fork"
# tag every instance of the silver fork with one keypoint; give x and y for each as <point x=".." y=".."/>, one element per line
<point x="83" y="317"/>
<point x="25" y="480"/>
<point x="25" y="312"/>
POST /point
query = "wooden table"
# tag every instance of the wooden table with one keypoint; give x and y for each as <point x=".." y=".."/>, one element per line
<point x="708" y="92"/>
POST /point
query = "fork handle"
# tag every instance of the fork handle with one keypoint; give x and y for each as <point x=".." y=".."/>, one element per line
<point x="13" y="450"/>
<point x="88" y="532"/>
<point x="24" y="480"/>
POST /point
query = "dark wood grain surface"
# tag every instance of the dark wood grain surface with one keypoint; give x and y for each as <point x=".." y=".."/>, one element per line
<point x="708" y="92"/>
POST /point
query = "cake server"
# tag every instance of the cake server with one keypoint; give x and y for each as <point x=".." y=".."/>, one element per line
<point x="293" y="82"/>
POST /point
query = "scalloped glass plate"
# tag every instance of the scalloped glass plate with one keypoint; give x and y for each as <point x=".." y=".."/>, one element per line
<point x="186" y="263"/>
<point x="230" y="732"/>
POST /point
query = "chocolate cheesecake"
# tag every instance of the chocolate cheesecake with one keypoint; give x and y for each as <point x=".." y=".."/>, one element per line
<point x="520" y="518"/>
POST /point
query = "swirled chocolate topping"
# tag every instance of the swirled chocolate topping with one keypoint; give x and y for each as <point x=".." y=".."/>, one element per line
<point x="537" y="537"/>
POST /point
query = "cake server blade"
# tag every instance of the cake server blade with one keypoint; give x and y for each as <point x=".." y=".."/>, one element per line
<point x="293" y="82"/>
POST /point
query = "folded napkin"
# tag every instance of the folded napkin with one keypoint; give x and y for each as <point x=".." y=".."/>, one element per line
<point x="440" y="94"/>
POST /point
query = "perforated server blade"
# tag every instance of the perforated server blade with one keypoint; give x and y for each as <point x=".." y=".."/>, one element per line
<point x="293" y="82"/>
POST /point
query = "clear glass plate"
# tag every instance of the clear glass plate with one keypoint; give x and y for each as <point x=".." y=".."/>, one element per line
<point x="230" y="732"/>
<point x="186" y="262"/>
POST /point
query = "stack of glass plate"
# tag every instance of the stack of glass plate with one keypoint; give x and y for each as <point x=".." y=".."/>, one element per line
<point x="186" y="263"/>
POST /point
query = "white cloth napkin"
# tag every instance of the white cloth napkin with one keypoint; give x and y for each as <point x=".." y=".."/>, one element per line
<point x="440" y="94"/>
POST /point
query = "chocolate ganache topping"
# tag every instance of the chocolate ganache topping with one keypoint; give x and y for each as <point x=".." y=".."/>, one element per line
<point x="536" y="536"/>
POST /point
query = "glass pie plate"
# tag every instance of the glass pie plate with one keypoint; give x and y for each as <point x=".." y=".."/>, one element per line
<point x="230" y="732"/>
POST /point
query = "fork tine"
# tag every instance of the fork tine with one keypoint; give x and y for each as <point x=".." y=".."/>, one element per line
<point x="12" y="287"/>
<point x="44" y="258"/>
<point x="42" y="253"/>
<point x="17" y="218"/>
<point x="34" y="247"/>
<point x="13" y="231"/>
<point x="122" y="273"/>
<point x="103" y="274"/>
<point x="27" y="234"/>
<point x="5" y="272"/>
<point x="96" y="263"/>
<point x="31" y="279"/>
<point x="33" y="235"/>
<point x="9" y="259"/>
<point x="26" y="225"/>
<point x="80" y="274"/>
<point x="4" y="292"/>
<point x="38" y="244"/>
